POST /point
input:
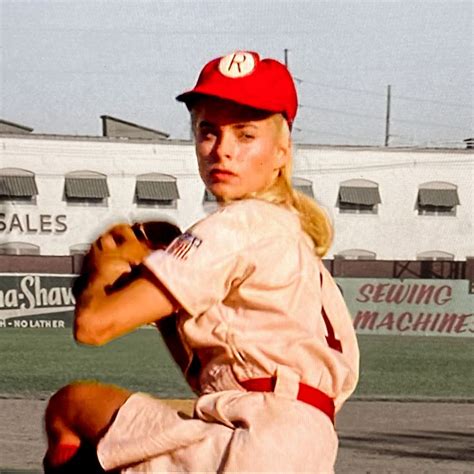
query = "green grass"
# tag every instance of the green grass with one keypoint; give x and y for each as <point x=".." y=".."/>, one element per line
<point x="416" y="367"/>
<point x="35" y="363"/>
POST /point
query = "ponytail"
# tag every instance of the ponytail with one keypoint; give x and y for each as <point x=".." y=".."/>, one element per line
<point x="314" y="220"/>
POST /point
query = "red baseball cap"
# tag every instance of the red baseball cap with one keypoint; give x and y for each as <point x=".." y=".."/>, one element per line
<point x="244" y="78"/>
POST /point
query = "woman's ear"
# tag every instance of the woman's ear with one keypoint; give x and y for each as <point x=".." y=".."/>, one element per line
<point x="283" y="152"/>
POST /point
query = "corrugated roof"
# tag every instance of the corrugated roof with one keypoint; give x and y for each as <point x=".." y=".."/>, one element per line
<point x="305" y="189"/>
<point x="438" y="197"/>
<point x="12" y="127"/>
<point x="115" y="127"/>
<point x="86" y="188"/>
<point x="359" y="195"/>
<point x="18" y="186"/>
<point x="156" y="190"/>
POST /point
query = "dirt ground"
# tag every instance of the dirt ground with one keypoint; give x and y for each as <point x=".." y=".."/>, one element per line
<point x="375" y="437"/>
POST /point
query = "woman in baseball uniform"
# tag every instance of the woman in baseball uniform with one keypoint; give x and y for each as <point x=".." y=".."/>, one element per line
<point x="269" y="344"/>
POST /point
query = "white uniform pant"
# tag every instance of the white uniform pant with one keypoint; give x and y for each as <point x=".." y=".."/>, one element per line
<point x="231" y="431"/>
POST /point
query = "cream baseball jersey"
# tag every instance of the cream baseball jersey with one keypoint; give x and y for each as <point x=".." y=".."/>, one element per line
<point x="258" y="302"/>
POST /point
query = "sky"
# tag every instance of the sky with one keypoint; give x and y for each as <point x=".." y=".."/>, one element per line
<point x="64" y="63"/>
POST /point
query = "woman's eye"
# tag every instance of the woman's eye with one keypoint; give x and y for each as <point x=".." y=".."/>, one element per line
<point x="206" y="134"/>
<point x="247" y="136"/>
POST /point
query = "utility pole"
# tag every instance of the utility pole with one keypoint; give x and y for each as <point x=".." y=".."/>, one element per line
<point x="387" y="117"/>
<point x="286" y="57"/>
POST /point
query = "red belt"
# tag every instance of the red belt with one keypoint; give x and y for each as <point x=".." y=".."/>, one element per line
<point x="307" y="394"/>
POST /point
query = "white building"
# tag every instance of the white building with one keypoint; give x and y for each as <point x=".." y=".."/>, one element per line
<point x="58" y="192"/>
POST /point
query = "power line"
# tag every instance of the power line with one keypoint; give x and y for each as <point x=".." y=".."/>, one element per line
<point x="342" y="112"/>
<point x="433" y="101"/>
<point x="379" y="94"/>
<point x="380" y="117"/>
<point x="330" y="86"/>
<point x="432" y="124"/>
<point x="331" y="133"/>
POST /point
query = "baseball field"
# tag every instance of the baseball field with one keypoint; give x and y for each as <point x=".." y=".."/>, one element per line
<point x="37" y="362"/>
<point x="412" y="411"/>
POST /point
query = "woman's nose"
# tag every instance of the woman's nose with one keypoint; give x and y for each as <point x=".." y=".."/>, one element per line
<point x="224" y="146"/>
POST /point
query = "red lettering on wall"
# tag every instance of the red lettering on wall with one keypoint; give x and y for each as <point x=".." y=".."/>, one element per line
<point x="397" y="294"/>
<point x="401" y="319"/>
<point x="413" y="289"/>
<point x="422" y="322"/>
<point x="448" y="322"/>
<point x="365" y="319"/>
<point x="435" y="321"/>
<point x="461" y="324"/>
<point x="411" y="293"/>
<point x="443" y="294"/>
<point x="424" y="294"/>
<point x="365" y="291"/>
<point x="380" y="293"/>
<point x="387" y="322"/>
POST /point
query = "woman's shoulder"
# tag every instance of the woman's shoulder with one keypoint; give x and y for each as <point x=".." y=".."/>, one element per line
<point x="254" y="216"/>
<point x="254" y="213"/>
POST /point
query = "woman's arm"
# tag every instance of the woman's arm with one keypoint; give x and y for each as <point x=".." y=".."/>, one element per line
<point x="104" y="312"/>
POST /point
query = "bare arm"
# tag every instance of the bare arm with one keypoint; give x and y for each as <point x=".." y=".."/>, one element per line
<point x="103" y="314"/>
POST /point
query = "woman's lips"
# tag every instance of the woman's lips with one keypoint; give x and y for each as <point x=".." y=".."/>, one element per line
<point x="221" y="175"/>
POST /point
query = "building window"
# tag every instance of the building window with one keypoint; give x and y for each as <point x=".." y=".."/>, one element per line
<point x="435" y="255"/>
<point x="18" y="185"/>
<point x="79" y="249"/>
<point x="156" y="190"/>
<point x="358" y="196"/>
<point x="19" y="248"/>
<point x="86" y="188"/>
<point x="355" y="254"/>
<point x="437" y="199"/>
<point x="304" y="186"/>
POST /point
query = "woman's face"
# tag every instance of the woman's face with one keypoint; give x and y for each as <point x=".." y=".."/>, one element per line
<point x="239" y="149"/>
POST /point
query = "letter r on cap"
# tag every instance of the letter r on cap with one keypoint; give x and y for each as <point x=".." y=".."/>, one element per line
<point x="237" y="64"/>
<point x="237" y="60"/>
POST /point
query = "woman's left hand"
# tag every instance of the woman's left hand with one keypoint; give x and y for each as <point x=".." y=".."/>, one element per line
<point x="107" y="308"/>
<point x="114" y="253"/>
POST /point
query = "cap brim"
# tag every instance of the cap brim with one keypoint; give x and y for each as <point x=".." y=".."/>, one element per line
<point x="190" y="96"/>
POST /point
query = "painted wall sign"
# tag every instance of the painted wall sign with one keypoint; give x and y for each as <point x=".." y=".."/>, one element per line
<point x="411" y="306"/>
<point x="36" y="300"/>
<point x="32" y="223"/>
<point x="378" y="305"/>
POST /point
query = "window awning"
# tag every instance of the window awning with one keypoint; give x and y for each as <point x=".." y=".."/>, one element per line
<point x="305" y="189"/>
<point x="86" y="188"/>
<point x="438" y="197"/>
<point x="18" y="186"/>
<point x="156" y="190"/>
<point x="359" y="195"/>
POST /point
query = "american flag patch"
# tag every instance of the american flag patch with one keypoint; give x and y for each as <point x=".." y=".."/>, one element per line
<point x="184" y="245"/>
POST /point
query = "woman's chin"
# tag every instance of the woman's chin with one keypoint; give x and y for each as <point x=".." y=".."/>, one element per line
<point x="223" y="192"/>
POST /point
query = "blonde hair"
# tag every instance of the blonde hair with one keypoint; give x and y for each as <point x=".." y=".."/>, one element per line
<point x="314" y="220"/>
